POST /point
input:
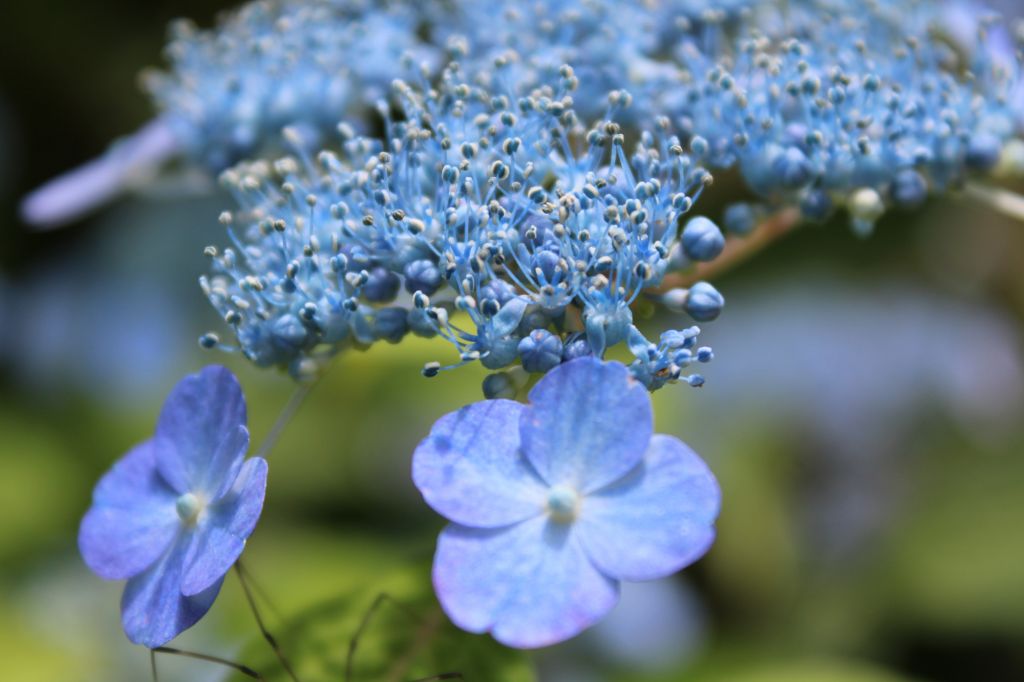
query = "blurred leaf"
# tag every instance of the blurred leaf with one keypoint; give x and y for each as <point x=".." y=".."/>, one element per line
<point x="406" y="636"/>
<point x="754" y="561"/>
<point x="40" y="477"/>
<point x="803" y="671"/>
<point x="955" y="561"/>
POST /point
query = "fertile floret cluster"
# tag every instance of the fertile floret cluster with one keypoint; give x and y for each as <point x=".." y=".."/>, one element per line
<point x="819" y="104"/>
<point x="822" y="107"/>
<point x="307" y="64"/>
<point x="490" y="216"/>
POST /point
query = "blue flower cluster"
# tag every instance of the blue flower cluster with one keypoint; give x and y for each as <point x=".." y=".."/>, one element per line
<point x="819" y="104"/>
<point x="490" y="216"/>
<point x="822" y="107"/>
<point x="306" y="64"/>
<point x="816" y="105"/>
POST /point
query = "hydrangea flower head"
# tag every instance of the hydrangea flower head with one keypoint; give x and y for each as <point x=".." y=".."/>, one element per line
<point x="553" y="503"/>
<point x="493" y="201"/>
<point x="173" y="515"/>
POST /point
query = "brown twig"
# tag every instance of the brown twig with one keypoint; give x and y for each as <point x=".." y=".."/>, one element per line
<point x="737" y="250"/>
<point x="271" y="640"/>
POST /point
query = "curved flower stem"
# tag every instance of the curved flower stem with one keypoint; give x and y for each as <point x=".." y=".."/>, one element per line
<point x="426" y="629"/>
<point x="1002" y="200"/>
<point x="258" y="591"/>
<point x="244" y="669"/>
<point x="290" y="408"/>
<point x="737" y="250"/>
<point x="353" y="643"/>
<point x="259" y="622"/>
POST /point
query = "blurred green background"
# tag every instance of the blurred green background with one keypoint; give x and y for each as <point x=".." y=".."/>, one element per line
<point x="864" y="415"/>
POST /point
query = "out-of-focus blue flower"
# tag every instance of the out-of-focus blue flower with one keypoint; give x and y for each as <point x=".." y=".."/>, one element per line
<point x="818" y="101"/>
<point x="555" y="502"/>
<point x="803" y="97"/>
<point x="230" y="89"/>
<point x="173" y="515"/>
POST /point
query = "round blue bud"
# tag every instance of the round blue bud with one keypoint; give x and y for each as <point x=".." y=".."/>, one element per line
<point x="983" y="151"/>
<point x="909" y="189"/>
<point x="422" y="275"/>
<point x="390" y="324"/>
<point x="699" y="146"/>
<point x="499" y="353"/>
<point x="499" y="290"/>
<point x="334" y="324"/>
<point x="792" y="168"/>
<point x="740" y="218"/>
<point x="702" y="240"/>
<point x="382" y="285"/>
<point x="499" y="385"/>
<point x="289" y="331"/>
<point x="546" y="261"/>
<point x="577" y="348"/>
<point x="703" y="302"/>
<point x="421" y="324"/>
<point x="540" y="351"/>
<point x="535" y="318"/>
<point x="816" y="206"/>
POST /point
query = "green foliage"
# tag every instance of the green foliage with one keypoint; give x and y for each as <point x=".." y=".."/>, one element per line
<point x="402" y="635"/>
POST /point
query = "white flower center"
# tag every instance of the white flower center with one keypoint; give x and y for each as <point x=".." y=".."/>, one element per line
<point x="189" y="507"/>
<point x="563" y="504"/>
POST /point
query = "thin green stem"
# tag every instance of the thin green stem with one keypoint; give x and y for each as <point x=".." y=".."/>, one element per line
<point x="283" y="419"/>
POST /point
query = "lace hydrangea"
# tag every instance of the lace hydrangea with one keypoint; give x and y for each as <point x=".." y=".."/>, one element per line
<point x="817" y="105"/>
<point x="555" y="502"/>
<point x="491" y="217"/>
<point x="822" y="107"/>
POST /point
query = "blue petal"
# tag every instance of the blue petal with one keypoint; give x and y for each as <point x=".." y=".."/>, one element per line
<point x="222" y="532"/>
<point x="509" y="317"/>
<point x="470" y="470"/>
<point x="132" y="520"/>
<point x="153" y="610"/>
<point x="589" y="422"/>
<point x="657" y="519"/>
<point x="197" y="433"/>
<point x="530" y="585"/>
<point x="225" y="463"/>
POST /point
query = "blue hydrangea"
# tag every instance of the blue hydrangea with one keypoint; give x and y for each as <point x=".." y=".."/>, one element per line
<point x="512" y="229"/>
<point x="810" y="100"/>
<point x="552" y="504"/>
<point x="822" y="107"/>
<point x="230" y="90"/>
<point x="173" y="515"/>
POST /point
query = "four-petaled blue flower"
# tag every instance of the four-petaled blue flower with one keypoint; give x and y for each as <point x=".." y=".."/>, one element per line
<point x="553" y="503"/>
<point x="173" y="515"/>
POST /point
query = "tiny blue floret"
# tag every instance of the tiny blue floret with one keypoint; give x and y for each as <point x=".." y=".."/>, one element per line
<point x="552" y="504"/>
<point x="173" y="515"/>
<point x="702" y="240"/>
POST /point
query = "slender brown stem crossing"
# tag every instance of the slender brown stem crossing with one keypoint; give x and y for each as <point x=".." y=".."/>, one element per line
<point x="737" y="250"/>
<point x="259" y="622"/>
<point x="244" y="669"/>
